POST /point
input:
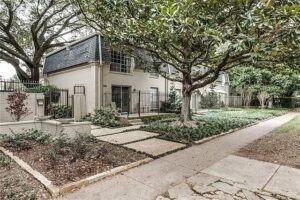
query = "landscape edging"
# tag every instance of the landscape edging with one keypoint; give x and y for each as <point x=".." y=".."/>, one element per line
<point x="55" y="190"/>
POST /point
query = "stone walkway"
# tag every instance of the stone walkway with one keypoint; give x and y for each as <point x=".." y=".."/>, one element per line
<point x="238" y="178"/>
<point x="98" y="131"/>
<point x="137" y="140"/>
<point x="155" y="178"/>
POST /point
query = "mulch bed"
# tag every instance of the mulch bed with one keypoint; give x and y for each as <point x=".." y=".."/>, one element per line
<point x="18" y="184"/>
<point x="283" y="149"/>
<point x="69" y="166"/>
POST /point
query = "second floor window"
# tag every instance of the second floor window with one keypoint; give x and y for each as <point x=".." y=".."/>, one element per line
<point x="120" y="62"/>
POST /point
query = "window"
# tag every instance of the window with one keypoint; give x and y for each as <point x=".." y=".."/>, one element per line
<point x="120" y="62"/>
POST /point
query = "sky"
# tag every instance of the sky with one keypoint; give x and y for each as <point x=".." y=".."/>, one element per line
<point x="6" y="70"/>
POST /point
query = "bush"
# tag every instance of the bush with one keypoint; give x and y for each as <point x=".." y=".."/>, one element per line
<point x="210" y="100"/>
<point x="105" y="116"/>
<point x="173" y="104"/>
<point x="47" y="90"/>
<point x="21" y="141"/>
<point x="60" y="111"/>
<point x="77" y="147"/>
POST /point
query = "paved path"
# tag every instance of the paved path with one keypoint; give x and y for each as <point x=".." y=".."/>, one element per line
<point x="237" y="178"/>
<point x="152" y="179"/>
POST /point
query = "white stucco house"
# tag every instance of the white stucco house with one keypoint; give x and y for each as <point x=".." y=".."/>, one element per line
<point x="110" y="76"/>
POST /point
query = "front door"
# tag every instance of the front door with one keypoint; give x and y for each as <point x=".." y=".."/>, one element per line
<point x="120" y="95"/>
<point x="154" y="98"/>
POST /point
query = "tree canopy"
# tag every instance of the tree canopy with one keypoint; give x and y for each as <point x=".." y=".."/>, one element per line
<point x="201" y="38"/>
<point x="29" y="29"/>
<point x="263" y="83"/>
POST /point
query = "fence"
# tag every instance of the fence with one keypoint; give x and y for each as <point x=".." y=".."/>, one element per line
<point x="135" y="102"/>
<point x="11" y="85"/>
<point x="53" y="97"/>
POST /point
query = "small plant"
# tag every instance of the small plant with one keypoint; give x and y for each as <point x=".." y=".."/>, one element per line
<point x="173" y="104"/>
<point x="60" y="111"/>
<point x="22" y="141"/>
<point x="4" y="161"/>
<point x="17" y="105"/>
<point x="105" y="116"/>
<point x="81" y="145"/>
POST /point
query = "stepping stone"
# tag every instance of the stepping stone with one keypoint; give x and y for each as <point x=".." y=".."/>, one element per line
<point x="243" y="170"/>
<point x="109" y="131"/>
<point x="285" y="182"/>
<point x="155" y="146"/>
<point x="126" y="137"/>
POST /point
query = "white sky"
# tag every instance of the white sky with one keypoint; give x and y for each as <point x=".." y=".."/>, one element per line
<point x="6" y="70"/>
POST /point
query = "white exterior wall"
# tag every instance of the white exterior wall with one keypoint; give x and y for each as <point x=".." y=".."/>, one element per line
<point x="82" y="75"/>
<point x="138" y="80"/>
<point x="98" y="80"/>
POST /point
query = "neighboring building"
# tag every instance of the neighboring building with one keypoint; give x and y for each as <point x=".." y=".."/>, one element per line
<point x="111" y="77"/>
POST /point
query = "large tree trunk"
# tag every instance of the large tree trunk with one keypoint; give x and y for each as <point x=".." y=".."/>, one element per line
<point x="187" y="89"/>
<point x="186" y="106"/>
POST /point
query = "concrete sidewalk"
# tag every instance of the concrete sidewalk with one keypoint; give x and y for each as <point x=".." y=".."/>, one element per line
<point x="152" y="179"/>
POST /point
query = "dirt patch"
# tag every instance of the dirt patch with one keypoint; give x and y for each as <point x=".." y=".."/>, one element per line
<point x="281" y="147"/>
<point x="63" y="161"/>
<point x="18" y="184"/>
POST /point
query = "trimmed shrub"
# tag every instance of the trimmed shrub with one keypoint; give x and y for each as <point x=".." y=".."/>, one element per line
<point x="60" y="111"/>
<point x="105" y="116"/>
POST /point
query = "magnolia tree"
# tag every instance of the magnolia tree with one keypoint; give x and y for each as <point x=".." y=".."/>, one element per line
<point x="262" y="83"/>
<point x="29" y="29"/>
<point x="199" y="38"/>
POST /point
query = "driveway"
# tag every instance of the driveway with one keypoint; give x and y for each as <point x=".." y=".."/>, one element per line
<point x="152" y="179"/>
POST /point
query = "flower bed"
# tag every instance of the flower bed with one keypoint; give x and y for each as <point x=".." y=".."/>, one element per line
<point x="212" y="123"/>
<point x="63" y="160"/>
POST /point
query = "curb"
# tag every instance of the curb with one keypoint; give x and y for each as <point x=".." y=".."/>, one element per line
<point x="55" y="190"/>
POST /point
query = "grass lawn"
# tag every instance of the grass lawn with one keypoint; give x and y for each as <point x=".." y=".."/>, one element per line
<point x="17" y="184"/>
<point x="211" y="123"/>
<point x="282" y="146"/>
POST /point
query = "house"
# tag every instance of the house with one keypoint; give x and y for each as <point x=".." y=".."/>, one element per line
<point x="111" y="77"/>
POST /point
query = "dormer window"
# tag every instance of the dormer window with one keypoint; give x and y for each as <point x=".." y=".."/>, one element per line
<point x="120" y="62"/>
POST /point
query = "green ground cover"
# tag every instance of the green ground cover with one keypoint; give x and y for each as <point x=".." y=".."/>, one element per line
<point x="211" y="123"/>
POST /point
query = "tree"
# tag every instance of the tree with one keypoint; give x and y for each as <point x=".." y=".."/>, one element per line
<point x="174" y="99"/>
<point x="242" y="80"/>
<point x="264" y="83"/>
<point x="199" y="38"/>
<point x="17" y="105"/>
<point x="29" y="29"/>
